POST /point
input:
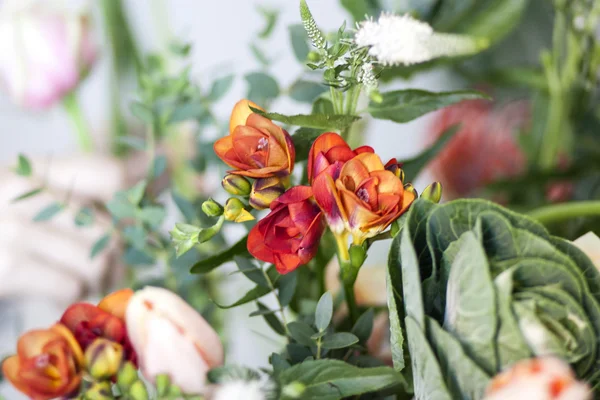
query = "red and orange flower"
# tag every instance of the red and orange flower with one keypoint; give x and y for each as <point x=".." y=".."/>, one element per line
<point x="255" y="147"/>
<point x="289" y="236"/>
<point x="48" y="364"/>
<point x="88" y="322"/>
<point x="357" y="194"/>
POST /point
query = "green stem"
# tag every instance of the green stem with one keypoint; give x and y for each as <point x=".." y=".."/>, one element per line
<point x="348" y="274"/>
<point x="79" y="122"/>
<point x="559" y="212"/>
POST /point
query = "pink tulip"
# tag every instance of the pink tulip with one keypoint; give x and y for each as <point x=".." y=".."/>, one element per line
<point x="171" y="338"/>
<point x="45" y="51"/>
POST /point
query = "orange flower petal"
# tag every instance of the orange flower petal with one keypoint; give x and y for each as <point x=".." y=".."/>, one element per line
<point x="323" y="144"/>
<point x="10" y="370"/>
<point x="116" y="302"/>
<point x="388" y="182"/>
<point x="240" y="113"/>
<point x="32" y="343"/>
<point x="358" y="214"/>
<point x="63" y="331"/>
<point x="371" y="161"/>
<point x="329" y="201"/>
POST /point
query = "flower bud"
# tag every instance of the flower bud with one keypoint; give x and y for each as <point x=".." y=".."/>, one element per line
<point x="433" y="192"/>
<point x="376" y="96"/>
<point x="293" y="390"/>
<point x="138" y="391"/>
<point x="127" y="376"/>
<point x="236" y="185"/>
<point x="99" y="391"/>
<point x="212" y="208"/>
<point x="313" y="56"/>
<point x="103" y="358"/>
<point x="264" y="191"/>
<point x="411" y="189"/>
<point x="235" y="211"/>
<point x="396" y="168"/>
<point x="162" y="383"/>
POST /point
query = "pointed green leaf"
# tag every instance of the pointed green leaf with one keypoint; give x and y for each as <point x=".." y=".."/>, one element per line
<point x="324" y="312"/>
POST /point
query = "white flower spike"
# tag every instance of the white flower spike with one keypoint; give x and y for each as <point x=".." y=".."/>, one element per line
<point x="403" y="40"/>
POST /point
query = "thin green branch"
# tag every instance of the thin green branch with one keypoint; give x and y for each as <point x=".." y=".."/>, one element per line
<point x="564" y="211"/>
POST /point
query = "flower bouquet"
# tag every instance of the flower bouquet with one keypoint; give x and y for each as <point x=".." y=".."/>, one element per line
<point x="481" y="301"/>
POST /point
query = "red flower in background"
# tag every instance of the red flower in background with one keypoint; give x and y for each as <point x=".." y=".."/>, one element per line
<point x="484" y="150"/>
<point x="289" y="236"/>
<point x="88" y="322"/>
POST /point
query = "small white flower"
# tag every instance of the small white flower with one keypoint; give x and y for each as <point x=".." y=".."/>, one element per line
<point x="367" y="77"/>
<point x="403" y="40"/>
<point x="240" y="390"/>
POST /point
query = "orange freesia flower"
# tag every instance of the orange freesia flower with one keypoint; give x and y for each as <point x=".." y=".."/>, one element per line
<point x="48" y="364"/>
<point x="363" y="198"/>
<point x="241" y="112"/>
<point x="330" y="150"/>
<point x="88" y="322"/>
<point x="289" y="236"/>
<point x="256" y="147"/>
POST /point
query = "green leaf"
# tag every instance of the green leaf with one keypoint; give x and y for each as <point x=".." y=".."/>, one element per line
<point x="192" y="110"/>
<point x="411" y="278"/>
<point x="322" y="105"/>
<point x="260" y="55"/>
<point x="299" y="41"/>
<point x="133" y="142"/>
<point x="27" y="195"/>
<point x="262" y="87"/>
<point x="339" y="340"/>
<point x="406" y="105"/>
<point x="303" y="139"/>
<point x="334" y="379"/>
<point x="415" y="165"/>
<point x="120" y="207"/>
<point x="253" y="294"/>
<point x="220" y="87"/>
<point x="324" y="312"/>
<point x="271" y="319"/>
<point x="48" y="212"/>
<point x="305" y="91"/>
<point x="287" y="287"/>
<point x="427" y="376"/>
<point x="142" y="112"/>
<point x="271" y="17"/>
<point x="187" y="209"/>
<point x="364" y="326"/>
<point x="463" y="377"/>
<point x="100" y="245"/>
<point x="301" y="332"/>
<point x="319" y="121"/>
<point x="471" y="313"/>
<point x="23" y="166"/>
<point x="136" y="193"/>
<point x="208" y="264"/>
<point x="252" y="271"/>
<point x="231" y="373"/>
<point x="496" y="21"/>
<point x="394" y="302"/>
<point x="153" y="215"/>
<point x="358" y="8"/>
<point x="136" y="236"/>
<point x="84" y="217"/>
<point x="159" y="165"/>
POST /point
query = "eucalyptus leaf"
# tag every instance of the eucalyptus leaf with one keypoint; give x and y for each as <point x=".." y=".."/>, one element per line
<point x="48" y="212"/>
<point x="100" y="245"/>
<point x="324" y="311"/>
<point x="339" y="340"/>
<point x="262" y="87"/>
<point x="306" y="91"/>
<point x="334" y="379"/>
<point x="28" y="194"/>
<point x="220" y="87"/>
<point x="23" y="166"/>
<point x="301" y="332"/>
<point x="271" y="319"/>
<point x="299" y="41"/>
